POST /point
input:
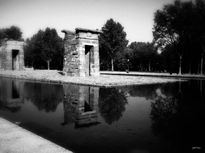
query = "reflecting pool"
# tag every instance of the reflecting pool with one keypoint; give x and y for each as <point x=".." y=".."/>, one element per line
<point x="158" y="118"/>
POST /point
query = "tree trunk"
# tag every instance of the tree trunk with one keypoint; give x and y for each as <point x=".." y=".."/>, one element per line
<point x="180" y="64"/>
<point x="48" y="64"/>
<point x="202" y="63"/>
<point x="149" y="67"/>
<point x="112" y="64"/>
<point x="141" y="67"/>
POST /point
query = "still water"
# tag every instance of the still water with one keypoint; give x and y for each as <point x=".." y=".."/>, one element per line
<point x="159" y="118"/>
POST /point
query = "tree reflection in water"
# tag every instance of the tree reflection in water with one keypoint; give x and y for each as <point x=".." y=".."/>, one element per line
<point x="164" y="111"/>
<point x="112" y="104"/>
<point x="178" y="118"/>
<point x="44" y="96"/>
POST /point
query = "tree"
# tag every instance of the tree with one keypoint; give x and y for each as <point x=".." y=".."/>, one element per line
<point x="181" y="25"/>
<point x="44" y="49"/>
<point x="112" y="40"/>
<point x="2" y="34"/>
<point x="122" y="61"/>
<point x="200" y="24"/>
<point x="143" y="56"/>
<point x="12" y="32"/>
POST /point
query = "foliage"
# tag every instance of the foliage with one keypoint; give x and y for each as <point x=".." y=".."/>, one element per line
<point x="112" y="41"/>
<point x="144" y="57"/>
<point x="12" y="32"/>
<point x="44" y="96"/>
<point x="44" y="48"/>
<point x="180" y="27"/>
<point x="112" y="104"/>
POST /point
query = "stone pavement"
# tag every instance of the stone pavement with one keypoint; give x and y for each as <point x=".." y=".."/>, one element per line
<point x="14" y="139"/>
<point x="53" y="76"/>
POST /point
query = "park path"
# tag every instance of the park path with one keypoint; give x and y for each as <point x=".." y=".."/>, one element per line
<point x="14" y="139"/>
<point x="53" y="76"/>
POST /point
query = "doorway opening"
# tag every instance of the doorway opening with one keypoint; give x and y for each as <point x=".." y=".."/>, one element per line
<point x="15" y="54"/>
<point x="88" y="59"/>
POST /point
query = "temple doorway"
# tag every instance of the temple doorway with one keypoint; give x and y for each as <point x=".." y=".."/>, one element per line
<point x="15" y="63"/>
<point x="88" y="59"/>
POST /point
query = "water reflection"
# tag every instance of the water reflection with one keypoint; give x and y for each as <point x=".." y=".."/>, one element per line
<point x="148" y="118"/>
<point x="178" y="118"/>
<point x="163" y="112"/>
<point x="112" y="104"/>
<point x="81" y="105"/>
<point x="43" y="96"/>
<point x="11" y="95"/>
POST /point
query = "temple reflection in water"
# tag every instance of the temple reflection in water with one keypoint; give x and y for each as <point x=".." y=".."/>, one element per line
<point x="80" y="102"/>
<point x="11" y="96"/>
<point x="81" y="105"/>
<point x="169" y="115"/>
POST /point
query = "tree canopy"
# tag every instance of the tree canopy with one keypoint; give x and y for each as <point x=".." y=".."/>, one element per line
<point x="112" y="40"/>
<point x="143" y="57"/>
<point x="44" y="50"/>
<point x="12" y="32"/>
<point x="181" y="25"/>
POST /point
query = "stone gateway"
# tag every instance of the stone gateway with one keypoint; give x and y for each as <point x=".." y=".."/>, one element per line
<point x="81" y="52"/>
<point x="12" y="55"/>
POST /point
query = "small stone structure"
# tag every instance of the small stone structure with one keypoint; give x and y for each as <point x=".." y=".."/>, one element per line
<point x="12" y="55"/>
<point x="81" y="56"/>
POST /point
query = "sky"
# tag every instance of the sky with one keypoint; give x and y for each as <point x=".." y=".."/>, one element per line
<point x="136" y="16"/>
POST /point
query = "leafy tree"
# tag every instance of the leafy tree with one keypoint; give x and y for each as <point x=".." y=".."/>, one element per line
<point x="112" y="40"/>
<point x="2" y="34"/>
<point x="122" y="61"/>
<point x="44" y="49"/>
<point x="181" y="26"/>
<point x="200" y="31"/>
<point x="143" y="56"/>
<point x="12" y="32"/>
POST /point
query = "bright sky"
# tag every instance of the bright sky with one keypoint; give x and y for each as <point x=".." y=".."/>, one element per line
<point x="31" y="15"/>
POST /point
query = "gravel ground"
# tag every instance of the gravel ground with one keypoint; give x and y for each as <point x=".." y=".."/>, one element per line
<point x="103" y="80"/>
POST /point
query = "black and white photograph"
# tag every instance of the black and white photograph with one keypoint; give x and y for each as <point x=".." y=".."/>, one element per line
<point x="102" y="76"/>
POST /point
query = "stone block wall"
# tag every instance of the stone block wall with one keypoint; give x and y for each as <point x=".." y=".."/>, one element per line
<point x="7" y="62"/>
<point x="81" y="56"/>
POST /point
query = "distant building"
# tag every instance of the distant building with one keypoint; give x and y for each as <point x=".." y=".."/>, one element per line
<point x="81" y="57"/>
<point x="11" y="55"/>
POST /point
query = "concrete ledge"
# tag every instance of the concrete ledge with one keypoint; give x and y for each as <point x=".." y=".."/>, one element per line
<point x="14" y="139"/>
<point x="153" y="74"/>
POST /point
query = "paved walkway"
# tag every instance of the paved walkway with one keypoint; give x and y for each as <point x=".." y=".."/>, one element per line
<point x="52" y="76"/>
<point x="152" y="74"/>
<point x="14" y="139"/>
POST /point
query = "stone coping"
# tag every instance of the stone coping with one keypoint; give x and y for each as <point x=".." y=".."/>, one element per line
<point x="53" y="76"/>
<point x="153" y="74"/>
<point x="14" y="139"/>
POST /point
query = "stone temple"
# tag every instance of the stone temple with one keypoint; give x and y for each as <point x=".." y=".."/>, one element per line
<point x="12" y="55"/>
<point x="81" y="52"/>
